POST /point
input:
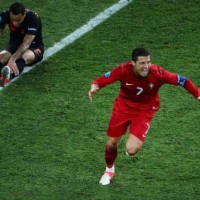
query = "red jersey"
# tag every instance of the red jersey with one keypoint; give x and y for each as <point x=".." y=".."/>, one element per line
<point x="142" y="92"/>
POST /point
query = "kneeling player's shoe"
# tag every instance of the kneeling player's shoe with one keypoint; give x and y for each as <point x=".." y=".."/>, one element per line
<point x="105" y="179"/>
<point x="6" y="74"/>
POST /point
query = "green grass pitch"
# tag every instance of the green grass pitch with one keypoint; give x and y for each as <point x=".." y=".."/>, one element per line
<point x="52" y="137"/>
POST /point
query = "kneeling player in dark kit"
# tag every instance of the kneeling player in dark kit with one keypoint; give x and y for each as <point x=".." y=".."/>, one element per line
<point x="25" y="46"/>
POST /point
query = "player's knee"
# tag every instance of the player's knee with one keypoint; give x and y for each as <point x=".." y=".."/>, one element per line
<point x="4" y="57"/>
<point x="131" y="151"/>
<point x="112" y="143"/>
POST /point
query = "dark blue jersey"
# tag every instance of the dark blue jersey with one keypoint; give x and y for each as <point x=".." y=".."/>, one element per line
<point x="31" y="26"/>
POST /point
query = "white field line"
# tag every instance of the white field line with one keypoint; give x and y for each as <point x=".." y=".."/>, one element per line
<point x="91" y="24"/>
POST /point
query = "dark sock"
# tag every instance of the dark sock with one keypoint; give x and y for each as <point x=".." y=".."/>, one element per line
<point x="20" y="64"/>
<point x="12" y="75"/>
<point x="110" y="155"/>
<point x="1" y="66"/>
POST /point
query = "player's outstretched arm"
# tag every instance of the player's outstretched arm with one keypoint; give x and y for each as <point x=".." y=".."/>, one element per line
<point x="198" y="98"/>
<point x="93" y="89"/>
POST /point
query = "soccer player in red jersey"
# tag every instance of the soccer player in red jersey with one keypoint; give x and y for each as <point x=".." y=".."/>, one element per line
<point x="136" y="103"/>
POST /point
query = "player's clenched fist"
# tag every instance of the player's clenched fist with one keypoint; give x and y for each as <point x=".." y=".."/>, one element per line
<point x="93" y="89"/>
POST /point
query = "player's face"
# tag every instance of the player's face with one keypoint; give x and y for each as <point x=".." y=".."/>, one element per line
<point x="141" y="66"/>
<point x="17" y="19"/>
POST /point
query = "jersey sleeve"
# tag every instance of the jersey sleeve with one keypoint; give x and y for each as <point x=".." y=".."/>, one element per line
<point x="176" y="79"/>
<point x="167" y="77"/>
<point x="109" y="77"/>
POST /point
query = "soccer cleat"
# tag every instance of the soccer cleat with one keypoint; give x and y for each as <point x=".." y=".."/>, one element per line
<point x="6" y="74"/>
<point x="105" y="179"/>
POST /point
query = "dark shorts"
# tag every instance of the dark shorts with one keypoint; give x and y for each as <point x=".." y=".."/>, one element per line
<point x="37" y="49"/>
<point x="38" y="52"/>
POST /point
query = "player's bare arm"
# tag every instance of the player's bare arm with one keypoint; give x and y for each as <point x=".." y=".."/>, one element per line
<point x="22" y="48"/>
<point x="93" y="89"/>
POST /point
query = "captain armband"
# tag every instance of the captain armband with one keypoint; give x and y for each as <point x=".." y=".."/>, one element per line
<point x="181" y="80"/>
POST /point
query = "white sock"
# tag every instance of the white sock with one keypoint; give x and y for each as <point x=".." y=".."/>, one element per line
<point x="112" y="169"/>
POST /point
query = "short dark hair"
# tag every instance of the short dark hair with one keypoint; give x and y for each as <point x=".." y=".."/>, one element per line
<point x="139" y="52"/>
<point x="17" y="8"/>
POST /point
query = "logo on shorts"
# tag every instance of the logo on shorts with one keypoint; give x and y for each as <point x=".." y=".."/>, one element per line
<point x="37" y="51"/>
<point x="145" y="134"/>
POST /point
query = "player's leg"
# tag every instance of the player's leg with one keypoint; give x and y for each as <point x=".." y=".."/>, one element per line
<point x="30" y="57"/>
<point x="6" y="73"/>
<point x="139" y="128"/>
<point x="9" y="51"/>
<point x="26" y="59"/>
<point x="4" y="57"/>
<point x="133" y="145"/>
<point x="111" y="151"/>
<point x="117" y="127"/>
